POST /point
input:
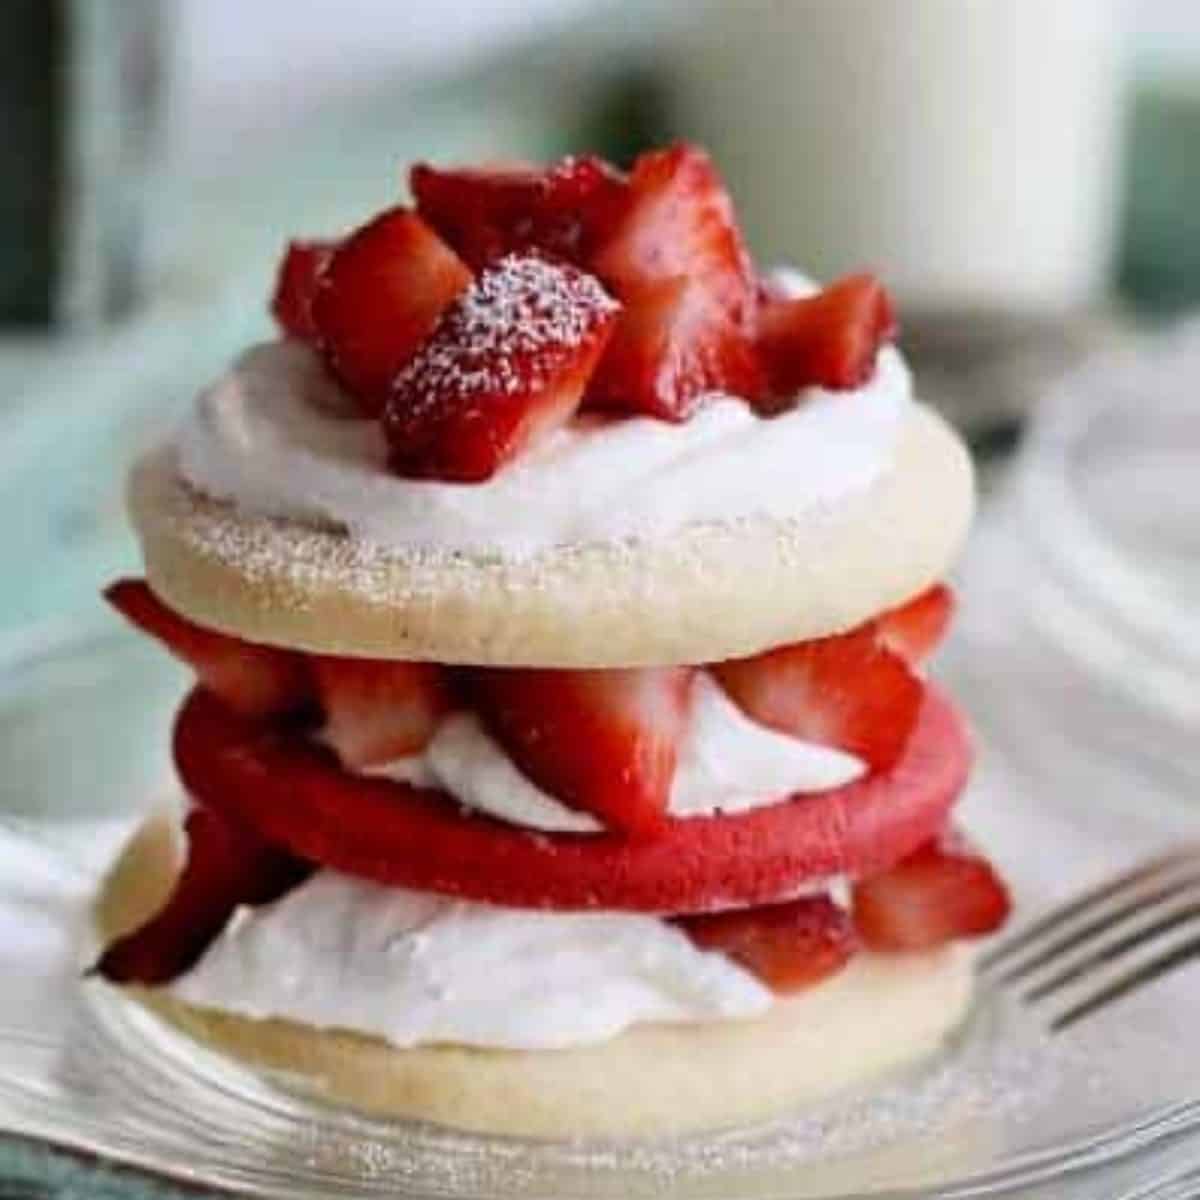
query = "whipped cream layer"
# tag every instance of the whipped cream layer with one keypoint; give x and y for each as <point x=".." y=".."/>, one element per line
<point x="415" y="968"/>
<point x="277" y="437"/>
<point x="727" y="763"/>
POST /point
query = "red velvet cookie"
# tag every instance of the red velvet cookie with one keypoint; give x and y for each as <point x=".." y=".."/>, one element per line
<point x="294" y="794"/>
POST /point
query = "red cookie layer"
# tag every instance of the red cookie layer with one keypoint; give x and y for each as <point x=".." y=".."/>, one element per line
<point x="294" y="794"/>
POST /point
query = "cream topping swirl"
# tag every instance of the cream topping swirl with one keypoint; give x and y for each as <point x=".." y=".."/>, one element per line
<point x="276" y="437"/>
<point x="416" y="968"/>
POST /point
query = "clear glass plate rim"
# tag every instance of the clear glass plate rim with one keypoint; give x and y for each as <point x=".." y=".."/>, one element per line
<point x="1098" y="1147"/>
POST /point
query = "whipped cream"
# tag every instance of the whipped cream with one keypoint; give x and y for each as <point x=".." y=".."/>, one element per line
<point x="275" y="436"/>
<point x="727" y="763"/>
<point x="415" y="968"/>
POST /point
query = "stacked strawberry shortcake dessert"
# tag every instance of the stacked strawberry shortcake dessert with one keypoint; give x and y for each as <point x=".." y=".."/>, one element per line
<point x="560" y="759"/>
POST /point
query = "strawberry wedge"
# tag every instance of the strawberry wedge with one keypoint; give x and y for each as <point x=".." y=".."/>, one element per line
<point x="788" y="946"/>
<point x="676" y="260"/>
<point x="914" y="630"/>
<point x="848" y="691"/>
<point x="295" y="794"/>
<point x="943" y="892"/>
<point x="226" y="866"/>
<point x="300" y="274"/>
<point x="601" y="741"/>
<point x="377" y="711"/>
<point x="487" y="212"/>
<point x="379" y="297"/>
<point x="507" y="364"/>
<point x="254" y="680"/>
<point x="673" y="346"/>
<point x="831" y="340"/>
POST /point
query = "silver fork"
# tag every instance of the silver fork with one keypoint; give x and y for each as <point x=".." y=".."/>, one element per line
<point x="1112" y="940"/>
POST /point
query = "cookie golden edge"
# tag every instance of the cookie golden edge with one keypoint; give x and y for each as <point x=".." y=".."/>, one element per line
<point x="706" y="593"/>
<point x="878" y="1015"/>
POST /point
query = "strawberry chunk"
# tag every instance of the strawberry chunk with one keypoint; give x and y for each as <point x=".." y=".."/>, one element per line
<point x="915" y="629"/>
<point x="847" y="691"/>
<point x="788" y="946"/>
<point x="830" y="340"/>
<point x="380" y="296"/>
<point x="507" y="364"/>
<point x="673" y="345"/>
<point x="603" y="741"/>
<point x="678" y="220"/>
<point x="485" y="213"/>
<point x="254" y="680"/>
<point x="376" y="710"/>
<point x="300" y="272"/>
<point x="945" y="891"/>
<point x="676" y="258"/>
<point x="226" y="866"/>
<point x="294" y="794"/>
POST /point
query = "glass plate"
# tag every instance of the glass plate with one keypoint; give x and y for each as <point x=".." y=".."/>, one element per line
<point x="1006" y="1110"/>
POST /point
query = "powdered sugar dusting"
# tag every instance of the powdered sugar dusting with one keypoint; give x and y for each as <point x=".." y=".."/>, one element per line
<point x="313" y="556"/>
<point x="296" y="562"/>
<point x="517" y="322"/>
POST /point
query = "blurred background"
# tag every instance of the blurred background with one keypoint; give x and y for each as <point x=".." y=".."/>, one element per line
<point x="1025" y="174"/>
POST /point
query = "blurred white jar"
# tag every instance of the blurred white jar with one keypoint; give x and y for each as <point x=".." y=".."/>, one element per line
<point x="966" y="149"/>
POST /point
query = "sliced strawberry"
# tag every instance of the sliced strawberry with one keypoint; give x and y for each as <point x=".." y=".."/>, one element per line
<point x="601" y="741"/>
<point x="830" y="340"/>
<point x="678" y="220"/>
<point x="788" y="946"/>
<point x="507" y="363"/>
<point x="487" y="212"/>
<point x="847" y="691"/>
<point x="675" y="257"/>
<point x="914" y="629"/>
<point x="379" y="298"/>
<point x="376" y="710"/>
<point x="226" y="866"/>
<point x="673" y="344"/>
<point x="253" y="679"/>
<point x="300" y="272"/>
<point x="942" y="892"/>
<point x="295" y="794"/>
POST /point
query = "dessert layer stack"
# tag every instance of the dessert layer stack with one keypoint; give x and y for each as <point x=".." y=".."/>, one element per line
<point x="558" y="587"/>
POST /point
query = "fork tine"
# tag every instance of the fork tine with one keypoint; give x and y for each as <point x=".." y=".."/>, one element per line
<point x="1155" y="967"/>
<point x="1101" y="921"/>
<point x="1030" y="938"/>
<point x="1126" y="938"/>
